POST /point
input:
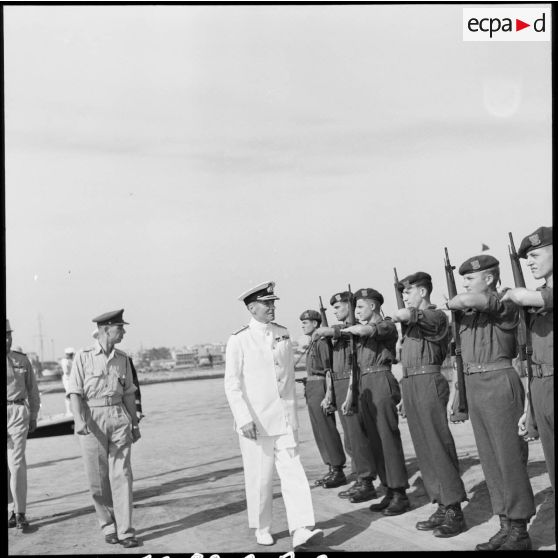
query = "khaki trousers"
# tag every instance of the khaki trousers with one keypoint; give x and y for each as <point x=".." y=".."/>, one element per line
<point x="258" y="457"/>
<point x="18" y="426"/>
<point x="107" y="456"/>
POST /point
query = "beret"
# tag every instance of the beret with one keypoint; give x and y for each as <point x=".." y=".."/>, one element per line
<point x="541" y="237"/>
<point x="478" y="263"/>
<point x="371" y="294"/>
<point x="263" y="291"/>
<point x="418" y="277"/>
<point x="311" y="315"/>
<point x="344" y="296"/>
<point x="110" y="318"/>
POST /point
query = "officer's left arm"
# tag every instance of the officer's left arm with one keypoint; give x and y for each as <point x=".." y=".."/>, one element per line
<point x="33" y="396"/>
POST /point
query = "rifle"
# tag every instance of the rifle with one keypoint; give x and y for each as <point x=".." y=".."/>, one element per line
<point x="400" y="306"/>
<point x="329" y="398"/>
<point x="523" y="333"/>
<point x="461" y="413"/>
<point x="323" y="313"/>
<point x="353" y="362"/>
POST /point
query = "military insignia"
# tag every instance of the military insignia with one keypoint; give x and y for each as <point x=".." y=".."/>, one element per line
<point x="338" y="297"/>
<point x="475" y="264"/>
<point x="364" y="292"/>
<point x="285" y="337"/>
<point x="270" y="287"/>
<point x="534" y="239"/>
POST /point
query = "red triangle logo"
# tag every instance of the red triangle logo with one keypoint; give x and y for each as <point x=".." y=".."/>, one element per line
<point x="519" y="25"/>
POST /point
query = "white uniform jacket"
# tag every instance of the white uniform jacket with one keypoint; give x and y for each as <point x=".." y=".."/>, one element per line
<point x="260" y="379"/>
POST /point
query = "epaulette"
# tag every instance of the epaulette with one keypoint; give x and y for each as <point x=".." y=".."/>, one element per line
<point x="120" y="351"/>
<point x="87" y="349"/>
<point x="19" y="352"/>
<point x="278" y="325"/>
<point x="239" y="330"/>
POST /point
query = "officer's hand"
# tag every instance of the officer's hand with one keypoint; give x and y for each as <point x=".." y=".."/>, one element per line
<point x="139" y="415"/>
<point x="401" y="409"/>
<point x="80" y="427"/>
<point x="522" y="428"/>
<point x="249" y="430"/>
<point x="32" y="425"/>
<point x="136" y="434"/>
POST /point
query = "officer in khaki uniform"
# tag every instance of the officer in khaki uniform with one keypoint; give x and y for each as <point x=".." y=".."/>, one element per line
<point x="260" y="389"/>
<point x="22" y="409"/>
<point x="379" y="395"/>
<point x="425" y="395"/>
<point x="495" y="398"/>
<point x="536" y="248"/>
<point x="320" y="409"/>
<point x="103" y="403"/>
<point x="357" y="444"/>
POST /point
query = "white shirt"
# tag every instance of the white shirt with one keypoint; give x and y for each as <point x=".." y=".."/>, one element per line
<point x="260" y="378"/>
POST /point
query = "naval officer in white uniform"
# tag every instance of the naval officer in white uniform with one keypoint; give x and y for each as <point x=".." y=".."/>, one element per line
<point x="260" y="388"/>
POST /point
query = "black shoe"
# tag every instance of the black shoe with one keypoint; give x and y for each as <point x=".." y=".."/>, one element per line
<point x="112" y="538"/>
<point x="320" y="482"/>
<point x="21" y="521"/>
<point x="12" y="520"/>
<point x="349" y="492"/>
<point x="518" y="538"/>
<point x="364" y="493"/>
<point x="129" y="543"/>
<point x="399" y="504"/>
<point x="337" y="478"/>
<point x="436" y="519"/>
<point x="497" y="540"/>
<point x="383" y="503"/>
<point x="454" y="523"/>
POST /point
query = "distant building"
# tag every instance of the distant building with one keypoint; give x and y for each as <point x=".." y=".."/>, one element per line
<point x="185" y="358"/>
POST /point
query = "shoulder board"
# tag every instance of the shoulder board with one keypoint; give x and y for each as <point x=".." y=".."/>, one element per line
<point x="19" y="353"/>
<point x="87" y="349"/>
<point x="239" y="330"/>
<point x="120" y="352"/>
<point x="278" y="325"/>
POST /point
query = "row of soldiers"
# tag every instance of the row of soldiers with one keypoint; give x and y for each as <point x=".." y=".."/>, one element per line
<point x="349" y="370"/>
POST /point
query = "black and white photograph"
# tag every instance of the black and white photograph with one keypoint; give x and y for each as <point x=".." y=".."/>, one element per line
<point x="279" y="277"/>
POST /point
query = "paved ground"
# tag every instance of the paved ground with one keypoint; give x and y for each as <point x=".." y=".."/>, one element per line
<point x="189" y="491"/>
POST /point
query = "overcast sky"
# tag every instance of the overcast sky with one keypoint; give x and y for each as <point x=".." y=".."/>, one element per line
<point x="163" y="159"/>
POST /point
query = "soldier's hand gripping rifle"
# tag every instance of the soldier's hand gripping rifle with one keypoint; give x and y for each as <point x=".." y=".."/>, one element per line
<point x="328" y="403"/>
<point x="523" y="334"/>
<point x="350" y="405"/>
<point x="459" y="411"/>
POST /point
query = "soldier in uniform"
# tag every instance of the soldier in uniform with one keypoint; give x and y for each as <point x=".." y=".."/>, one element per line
<point x="379" y="396"/>
<point x="103" y="403"/>
<point x="495" y="397"/>
<point x="358" y="446"/>
<point x="425" y="396"/>
<point x="320" y="403"/>
<point x="22" y="409"/>
<point x="260" y="389"/>
<point x="537" y="250"/>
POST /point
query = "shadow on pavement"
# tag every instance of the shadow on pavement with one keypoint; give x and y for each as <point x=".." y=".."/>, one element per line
<point x="52" y="462"/>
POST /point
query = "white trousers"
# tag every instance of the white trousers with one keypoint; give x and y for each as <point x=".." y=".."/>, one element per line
<point x="258" y="457"/>
<point x="18" y="425"/>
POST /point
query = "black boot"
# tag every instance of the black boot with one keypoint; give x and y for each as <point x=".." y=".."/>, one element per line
<point x="336" y="478"/>
<point x="497" y="540"/>
<point x="383" y="503"/>
<point x="436" y="519"/>
<point x="352" y="489"/>
<point x="320" y="482"/>
<point x="399" y="503"/>
<point x="454" y="523"/>
<point x="21" y="521"/>
<point x="12" y="520"/>
<point x="364" y="493"/>
<point x="518" y="538"/>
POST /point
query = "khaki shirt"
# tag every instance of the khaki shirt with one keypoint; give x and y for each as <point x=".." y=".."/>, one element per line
<point x="95" y="375"/>
<point x="378" y="347"/>
<point x="21" y="382"/>
<point x="542" y="328"/>
<point x="319" y="357"/>
<point x="489" y="335"/>
<point x="426" y="338"/>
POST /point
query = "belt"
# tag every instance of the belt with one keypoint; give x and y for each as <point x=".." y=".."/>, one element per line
<point x="105" y="401"/>
<point x="543" y="370"/>
<point x="341" y="375"/>
<point x="315" y="377"/>
<point x="16" y="402"/>
<point x="476" y="367"/>
<point x="379" y="368"/>
<point x="424" y="369"/>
